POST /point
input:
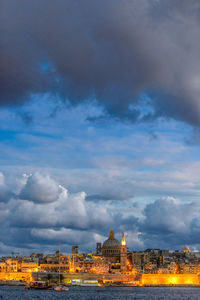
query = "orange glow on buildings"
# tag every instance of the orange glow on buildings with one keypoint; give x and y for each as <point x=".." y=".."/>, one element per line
<point x="71" y="264"/>
<point x="111" y="264"/>
<point x="16" y="276"/>
<point x="170" y="279"/>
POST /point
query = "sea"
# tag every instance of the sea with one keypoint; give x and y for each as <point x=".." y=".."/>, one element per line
<point x="95" y="293"/>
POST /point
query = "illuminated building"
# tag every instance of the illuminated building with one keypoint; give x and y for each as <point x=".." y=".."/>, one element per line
<point x="190" y="268"/>
<point x="111" y="246"/>
<point x="28" y="267"/>
<point x="74" y="250"/>
<point x="11" y="265"/>
<point x="123" y="254"/>
<point x="186" y="250"/>
<point x="110" y="263"/>
<point x="96" y="265"/>
<point x="54" y="267"/>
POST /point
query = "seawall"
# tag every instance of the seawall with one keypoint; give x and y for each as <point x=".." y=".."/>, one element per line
<point x="170" y="279"/>
<point x="135" y="279"/>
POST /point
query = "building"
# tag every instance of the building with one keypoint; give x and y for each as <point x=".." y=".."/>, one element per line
<point x="74" y="250"/>
<point x="12" y="265"/>
<point x="111" y="246"/>
<point x="186" y="249"/>
<point x="28" y="267"/>
<point x="115" y="252"/>
<point x="92" y="265"/>
<point x="123" y="254"/>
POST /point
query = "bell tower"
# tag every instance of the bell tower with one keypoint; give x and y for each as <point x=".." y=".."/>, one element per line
<point x="123" y="254"/>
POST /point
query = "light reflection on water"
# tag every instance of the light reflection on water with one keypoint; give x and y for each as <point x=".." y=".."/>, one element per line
<point x="95" y="293"/>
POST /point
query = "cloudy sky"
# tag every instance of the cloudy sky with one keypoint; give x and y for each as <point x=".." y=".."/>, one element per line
<point x="99" y="123"/>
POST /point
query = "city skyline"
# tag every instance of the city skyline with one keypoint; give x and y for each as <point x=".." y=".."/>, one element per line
<point x="99" y="124"/>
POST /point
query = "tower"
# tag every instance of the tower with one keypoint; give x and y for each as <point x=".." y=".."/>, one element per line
<point x="74" y="250"/>
<point x="123" y="254"/>
<point x="98" y="249"/>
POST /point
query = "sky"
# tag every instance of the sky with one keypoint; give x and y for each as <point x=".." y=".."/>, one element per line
<point x="99" y="124"/>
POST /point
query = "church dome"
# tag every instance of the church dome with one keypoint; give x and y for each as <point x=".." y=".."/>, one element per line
<point x="186" y="249"/>
<point x="111" y="246"/>
<point x="111" y="243"/>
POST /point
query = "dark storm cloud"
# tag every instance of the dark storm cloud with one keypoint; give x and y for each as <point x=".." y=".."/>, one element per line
<point x="112" y="50"/>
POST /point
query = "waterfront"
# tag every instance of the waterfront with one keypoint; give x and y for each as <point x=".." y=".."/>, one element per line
<point x="93" y="293"/>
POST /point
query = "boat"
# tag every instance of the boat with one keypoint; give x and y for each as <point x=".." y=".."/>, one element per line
<point x="38" y="285"/>
<point x="60" y="288"/>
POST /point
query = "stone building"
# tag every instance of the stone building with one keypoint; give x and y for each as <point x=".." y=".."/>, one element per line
<point x="123" y="254"/>
<point x="111" y="246"/>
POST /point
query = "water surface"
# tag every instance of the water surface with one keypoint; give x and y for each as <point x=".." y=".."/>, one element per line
<point x="95" y="293"/>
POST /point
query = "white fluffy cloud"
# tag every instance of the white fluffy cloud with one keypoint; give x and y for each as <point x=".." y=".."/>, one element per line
<point x="39" y="188"/>
<point x="29" y="219"/>
<point x="66" y="235"/>
<point x="65" y="209"/>
<point x="170" y="215"/>
<point x="70" y="219"/>
<point x="170" y="223"/>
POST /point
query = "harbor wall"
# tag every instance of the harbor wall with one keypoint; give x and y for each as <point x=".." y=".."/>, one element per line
<point x="170" y="279"/>
<point x="134" y="279"/>
<point x="139" y="279"/>
<point x="84" y="276"/>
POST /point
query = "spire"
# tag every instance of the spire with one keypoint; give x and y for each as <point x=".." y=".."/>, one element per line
<point x="123" y="242"/>
<point x="111" y="234"/>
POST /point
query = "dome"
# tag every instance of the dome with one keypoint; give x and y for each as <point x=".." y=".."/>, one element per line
<point x="111" y="246"/>
<point x="186" y="249"/>
<point x="111" y="243"/>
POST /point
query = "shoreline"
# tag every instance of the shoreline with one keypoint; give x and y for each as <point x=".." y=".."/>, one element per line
<point x="23" y="284"/>
<point x="107" y="287"/>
